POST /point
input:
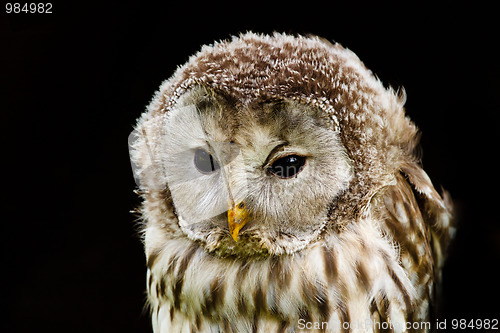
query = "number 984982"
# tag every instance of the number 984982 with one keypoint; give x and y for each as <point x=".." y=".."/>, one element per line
<point x="28" y="8"/>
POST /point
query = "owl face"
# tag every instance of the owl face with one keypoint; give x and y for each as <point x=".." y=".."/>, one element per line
<point x="259" y="141"/>
<point x="250" y="179"/>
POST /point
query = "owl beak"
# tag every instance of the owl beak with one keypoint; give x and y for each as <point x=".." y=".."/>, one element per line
<point x="237" y="217"/>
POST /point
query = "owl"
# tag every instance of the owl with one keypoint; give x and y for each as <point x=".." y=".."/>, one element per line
<point x="281" y="192"/>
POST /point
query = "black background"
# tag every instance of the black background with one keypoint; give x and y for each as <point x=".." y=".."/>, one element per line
<point x="73" y="83"/>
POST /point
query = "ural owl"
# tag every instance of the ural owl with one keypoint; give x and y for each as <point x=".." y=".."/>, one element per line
<point x="281" y="193"/>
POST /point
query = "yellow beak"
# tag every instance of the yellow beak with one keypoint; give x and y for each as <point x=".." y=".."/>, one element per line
<point x="237" y="217"/>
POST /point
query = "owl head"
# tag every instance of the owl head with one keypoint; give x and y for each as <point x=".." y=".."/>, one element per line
<point x="259" y="144"/>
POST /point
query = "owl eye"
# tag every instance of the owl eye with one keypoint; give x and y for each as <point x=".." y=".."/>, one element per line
<point x="205" y="162"/>
<point x="288" y="166"/>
